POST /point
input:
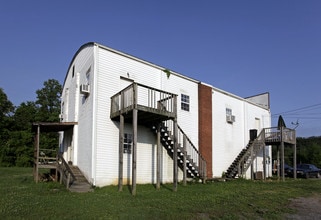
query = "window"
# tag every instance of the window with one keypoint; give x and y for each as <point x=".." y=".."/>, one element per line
<point x="73" y="71"/>
<point x="128" y="139"/>
<point x="185" y="102"/>
<point x="88" y="75"/>
<point x="228" y="111"/>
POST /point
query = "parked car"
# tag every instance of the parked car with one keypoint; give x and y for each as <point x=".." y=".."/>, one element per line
<point x="307" y="171"/>
<point x="288" y="170"/>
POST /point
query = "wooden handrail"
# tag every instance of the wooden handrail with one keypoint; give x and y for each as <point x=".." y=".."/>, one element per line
<point x="195" y="154"/>
<point x="66" y="174"/>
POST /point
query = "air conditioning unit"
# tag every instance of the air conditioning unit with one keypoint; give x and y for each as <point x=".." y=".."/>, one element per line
<point x="230" y="118"/>
<point x="84" y="89"/>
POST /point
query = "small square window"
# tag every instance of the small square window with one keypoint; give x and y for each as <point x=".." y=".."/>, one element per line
<point x="128" y="140"/>
<point x="185" y="102"/>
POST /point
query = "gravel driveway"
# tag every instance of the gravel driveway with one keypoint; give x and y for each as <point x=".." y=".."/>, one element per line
<point x="306" y="207"/>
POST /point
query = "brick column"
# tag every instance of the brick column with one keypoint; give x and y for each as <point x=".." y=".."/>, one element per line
<point x="205" y="125"/>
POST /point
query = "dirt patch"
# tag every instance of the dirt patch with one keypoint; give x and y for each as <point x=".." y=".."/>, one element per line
<point x="305" y="208"/>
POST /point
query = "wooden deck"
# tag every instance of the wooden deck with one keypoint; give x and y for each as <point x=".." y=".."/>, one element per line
<point x="153" y="105"/>
<point x="274" y="136"/>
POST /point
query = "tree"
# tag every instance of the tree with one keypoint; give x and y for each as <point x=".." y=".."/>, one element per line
<point x="6" y="111"/>
<point x="48" y="101"/>
<point x="48" y="104"/>
<point x="16" y="136"/>
<point x="25" y="115"/>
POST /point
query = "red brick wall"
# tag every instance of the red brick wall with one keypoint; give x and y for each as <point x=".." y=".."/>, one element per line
<point x="205" y="125"/>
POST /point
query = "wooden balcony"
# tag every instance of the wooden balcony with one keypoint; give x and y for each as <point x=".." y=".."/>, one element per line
<point x="153" y="105"/>
<point x="275" y="135"/>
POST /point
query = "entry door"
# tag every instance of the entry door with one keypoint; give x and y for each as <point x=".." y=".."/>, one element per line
<point x="257" y="125"/>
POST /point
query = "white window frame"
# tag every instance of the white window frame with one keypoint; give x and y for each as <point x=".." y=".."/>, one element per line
<point x="185" y="102"/>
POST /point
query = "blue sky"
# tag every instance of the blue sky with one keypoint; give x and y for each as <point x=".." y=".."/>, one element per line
<point x="245" y="47"/>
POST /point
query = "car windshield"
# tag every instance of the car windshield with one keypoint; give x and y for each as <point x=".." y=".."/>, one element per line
<point x="304" y="166"/>
<point x="313" y="167"/>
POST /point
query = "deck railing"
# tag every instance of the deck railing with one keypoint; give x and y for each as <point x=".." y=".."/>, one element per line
<point x="47" y="156"/>
<point x="273" y="135"/>
<point x="144" y="96"/>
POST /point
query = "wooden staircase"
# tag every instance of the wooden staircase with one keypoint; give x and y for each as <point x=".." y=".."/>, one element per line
<point x="187" y="154"/>
<point x="72" y="177"/>
<point x="246" y="157"/>
<point x="80" y="184"/>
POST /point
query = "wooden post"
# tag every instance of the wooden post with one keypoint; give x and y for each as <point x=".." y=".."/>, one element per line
<point x="184" y="160"/>
<point x="36" y="177"/>
<point x="134" y="150"/>
<point x="264" y="163"/>
<point x="175" y="165"/>
<point x="252" y="167"/>
<point x="278" y="162"/>
<point x="282" y="154"/>
<point x="121" y="153"/>
<point x="294" y="161"/>
<point x="158" y="160"/>
<point x="68" y="180"/>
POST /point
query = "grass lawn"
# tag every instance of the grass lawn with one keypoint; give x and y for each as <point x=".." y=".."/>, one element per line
<point x="21" y="198"/>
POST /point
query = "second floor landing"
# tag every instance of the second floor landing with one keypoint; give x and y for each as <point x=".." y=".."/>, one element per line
<point x="152" y="105"/>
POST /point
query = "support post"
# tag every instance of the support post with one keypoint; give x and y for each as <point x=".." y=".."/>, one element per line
<point x="134" y="150"/>
<point x="282" y="155"/>
<point x="294" y="161"/>
<point x="158" y="162"/>
<point x="252" y="167"/>
<point x="184" y="160"/>
<point x="68" y="181"/>
<point x="278" y="162"/>
<point x="121" y="153"/>
<point x="264" y="163"/>
<point x="175" y="165"/>
<point x="36" y="165"/>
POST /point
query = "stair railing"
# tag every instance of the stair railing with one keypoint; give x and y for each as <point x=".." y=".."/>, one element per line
<point x="192" y="152"/>
<point x="247" y="159"/>
<point x="66" y="175"/>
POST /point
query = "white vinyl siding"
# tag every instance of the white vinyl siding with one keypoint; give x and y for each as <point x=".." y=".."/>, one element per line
<point x="230" y="138"/>
<point x="108" y="72"/>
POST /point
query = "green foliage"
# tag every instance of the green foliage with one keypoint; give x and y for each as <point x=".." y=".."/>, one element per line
<point x="238" y="199"/>
<point x="308" y="151"/>
<point x="48" y="101"/>
<point x="16" y="137"/>
<point x="168" y="73"/>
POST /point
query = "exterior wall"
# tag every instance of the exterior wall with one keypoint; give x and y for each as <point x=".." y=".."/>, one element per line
<point x="187" y="120"/>
<point x="115" y="71"/>
<point x="79" y="108"/>
<point x="258" y="118"/>
<point x="230" y="138"/>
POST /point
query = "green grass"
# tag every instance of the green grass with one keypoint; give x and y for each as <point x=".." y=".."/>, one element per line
<point x="21" y="198"/>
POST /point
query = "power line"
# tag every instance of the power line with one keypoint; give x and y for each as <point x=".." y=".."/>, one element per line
<point x="299" y="109"/>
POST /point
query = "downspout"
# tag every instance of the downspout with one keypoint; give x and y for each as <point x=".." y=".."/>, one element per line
<point x="76" y="118"/>
<point x="94" y="133"/>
